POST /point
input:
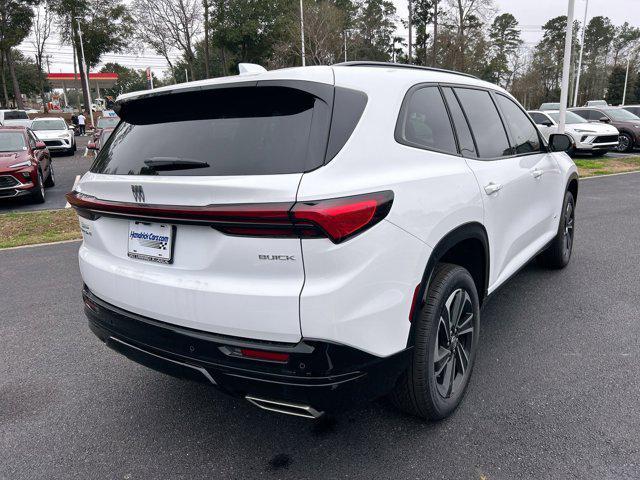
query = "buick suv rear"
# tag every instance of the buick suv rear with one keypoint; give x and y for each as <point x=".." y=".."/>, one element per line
<point x="311" y="238"/>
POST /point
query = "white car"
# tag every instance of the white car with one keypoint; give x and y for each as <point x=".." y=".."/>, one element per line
<point x="309" y="238"/>
<point x="588" y="137"/>
<point x="14" y="118"/>
<point x="55" y="133"/>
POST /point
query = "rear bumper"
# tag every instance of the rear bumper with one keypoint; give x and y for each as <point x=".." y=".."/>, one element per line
<point x="325" y="376"/>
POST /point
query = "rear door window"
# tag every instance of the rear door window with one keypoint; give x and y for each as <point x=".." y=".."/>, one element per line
<point x="227" y="131"/>
<point x="16" y="115"/>
<point x="465" y="139"/>
<point x="524" y="135"/>
<point x="486" y="125"/>
<point x="424" y="122"/>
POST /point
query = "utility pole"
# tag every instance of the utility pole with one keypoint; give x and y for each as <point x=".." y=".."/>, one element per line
<point x="410" y="33"/>
<point x="584" y="28"/>
<point x="566" y="67"/>
<point x="345" y="45"/>
<point x="302" y="32"/>
<point x="435" y="33"/>
<point x="86" y="77"/>
<point x="626" y="79"/>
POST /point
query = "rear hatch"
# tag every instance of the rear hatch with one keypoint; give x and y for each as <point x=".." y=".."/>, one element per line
<point x="180" y="211"/>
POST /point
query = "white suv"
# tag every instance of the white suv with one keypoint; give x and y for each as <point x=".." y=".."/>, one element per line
<point x="309" y="238"/>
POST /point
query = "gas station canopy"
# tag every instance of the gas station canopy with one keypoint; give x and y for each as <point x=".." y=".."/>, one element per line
<point x="71" y="80"/>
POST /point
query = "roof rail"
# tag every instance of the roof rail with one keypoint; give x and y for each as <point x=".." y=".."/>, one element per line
<point x="401" y="65"/>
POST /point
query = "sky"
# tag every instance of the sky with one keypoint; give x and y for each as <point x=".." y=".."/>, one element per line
<point x="531" y="14"/>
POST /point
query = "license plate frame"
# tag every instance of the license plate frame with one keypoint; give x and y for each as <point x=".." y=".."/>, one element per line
<point x="151" y="241"/>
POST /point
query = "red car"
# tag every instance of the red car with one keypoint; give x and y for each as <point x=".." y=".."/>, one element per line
<point x="25" y="164"/>
<point x="100" y="140"/>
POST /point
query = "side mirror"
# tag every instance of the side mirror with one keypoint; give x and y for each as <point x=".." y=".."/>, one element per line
<point x="547" y="124"/>
<point x="40" y="145"/>
<point x="92" y="146"/>
<point x="560" y="142"/>
<point x="71" y="127"/>
<point x="604" y="119"/>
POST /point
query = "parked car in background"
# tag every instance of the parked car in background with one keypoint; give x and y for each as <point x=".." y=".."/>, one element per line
<point x="626" y="122"/>
<point x="594" y="138"/>
<point x="305" y="240"/>
<point x="17" y="118"/>
<point x="55" y="133"/>
<point x="98" y="143"/>
<point x="106" y="121"/>
<point x="596" y="103"/>
<point x="550" y="106"/>
<point x="635" y="109"/>
<point x="25" y="164"/>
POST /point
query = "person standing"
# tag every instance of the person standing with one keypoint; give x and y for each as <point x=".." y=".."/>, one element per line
<point x="81" y="123"/>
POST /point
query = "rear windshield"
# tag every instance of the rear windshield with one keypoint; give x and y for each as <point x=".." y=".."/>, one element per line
<point x="16" y="115"/>
<point x="229" y="131"/>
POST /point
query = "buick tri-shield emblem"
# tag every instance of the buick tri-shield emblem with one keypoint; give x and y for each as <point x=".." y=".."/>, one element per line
<point x="138" y="193"/>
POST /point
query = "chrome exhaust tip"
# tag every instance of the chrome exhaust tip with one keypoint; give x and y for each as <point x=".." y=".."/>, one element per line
<point x="287" y="408"/>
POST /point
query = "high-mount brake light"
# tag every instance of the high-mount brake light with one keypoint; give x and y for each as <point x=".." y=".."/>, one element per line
<point x="337" y="218"/>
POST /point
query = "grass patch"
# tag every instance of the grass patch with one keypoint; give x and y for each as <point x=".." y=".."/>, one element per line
<point x="28" y="228"/>
<point x="606" y="165"/>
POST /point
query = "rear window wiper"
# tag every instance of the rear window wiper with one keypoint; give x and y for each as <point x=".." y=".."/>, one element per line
<point x="173" y="163"/>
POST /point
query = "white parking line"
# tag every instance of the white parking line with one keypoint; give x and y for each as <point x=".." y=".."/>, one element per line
<point x="75" y="182"/>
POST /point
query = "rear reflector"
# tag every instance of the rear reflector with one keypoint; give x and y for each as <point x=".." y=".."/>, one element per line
<point x="337" y="218"/>
<point x="264" y="355"/>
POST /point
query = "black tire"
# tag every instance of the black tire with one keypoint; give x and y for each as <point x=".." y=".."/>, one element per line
<point x="51" y="178"/>
<point x="38" y="195"/>
<point x="625" y="143"/>
<point x="558" y="253"/>
<point x="421" y="390"/>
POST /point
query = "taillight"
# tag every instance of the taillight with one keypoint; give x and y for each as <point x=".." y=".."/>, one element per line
<point x="342" y="218"/>
<point x="337" y="218"/>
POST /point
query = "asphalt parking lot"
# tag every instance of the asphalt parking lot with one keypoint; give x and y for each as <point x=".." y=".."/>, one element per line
<point x="555" y="392"/>
<point x="66" y="168"/>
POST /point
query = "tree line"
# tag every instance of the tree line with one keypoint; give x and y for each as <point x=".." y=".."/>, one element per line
<point x="208" y="38"/>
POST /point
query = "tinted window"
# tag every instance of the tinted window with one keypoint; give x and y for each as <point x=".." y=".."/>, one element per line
<point x="465" y="140"/>
<point x="485" y="122"/>
<point x="524" y="135"/>
<point x="634" y="110"/>
<point x="620" y="115"/>
<point x="425" y="122"/>
<point x="539" y="118"/>
<point x="16" y="115"/>
<point x="228" y="131"/>
<point x="588" y="114"/>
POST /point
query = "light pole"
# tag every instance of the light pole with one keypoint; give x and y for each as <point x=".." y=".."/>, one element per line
<point x="566" y="67"/>
<point x="410" y="32"/>
<point x="86" y="73"/>
<point x="626" y="79"/>
<point x="584" y="28"/>
<point x="302" y="32"/>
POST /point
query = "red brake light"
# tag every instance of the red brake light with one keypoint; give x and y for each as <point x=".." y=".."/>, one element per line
<point x="341" y="218"/>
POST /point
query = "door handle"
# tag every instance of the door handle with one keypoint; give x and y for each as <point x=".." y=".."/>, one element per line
<point x="492" y="188"/>
<point x="537" y="173"/>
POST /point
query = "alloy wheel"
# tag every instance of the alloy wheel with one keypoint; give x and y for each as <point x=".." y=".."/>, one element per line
<point x="454" y="339"/>
<point x="623" y="143"/>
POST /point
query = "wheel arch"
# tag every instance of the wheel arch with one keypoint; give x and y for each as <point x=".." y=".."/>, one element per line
<point x="572" y="186"/>
<point x="466" y="245"/>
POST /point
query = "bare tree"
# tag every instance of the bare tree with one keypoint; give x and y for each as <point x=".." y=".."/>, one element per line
<point x="42" y="23"/>
<point x="468" y="14"/>
<point x="168" y="24"/>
